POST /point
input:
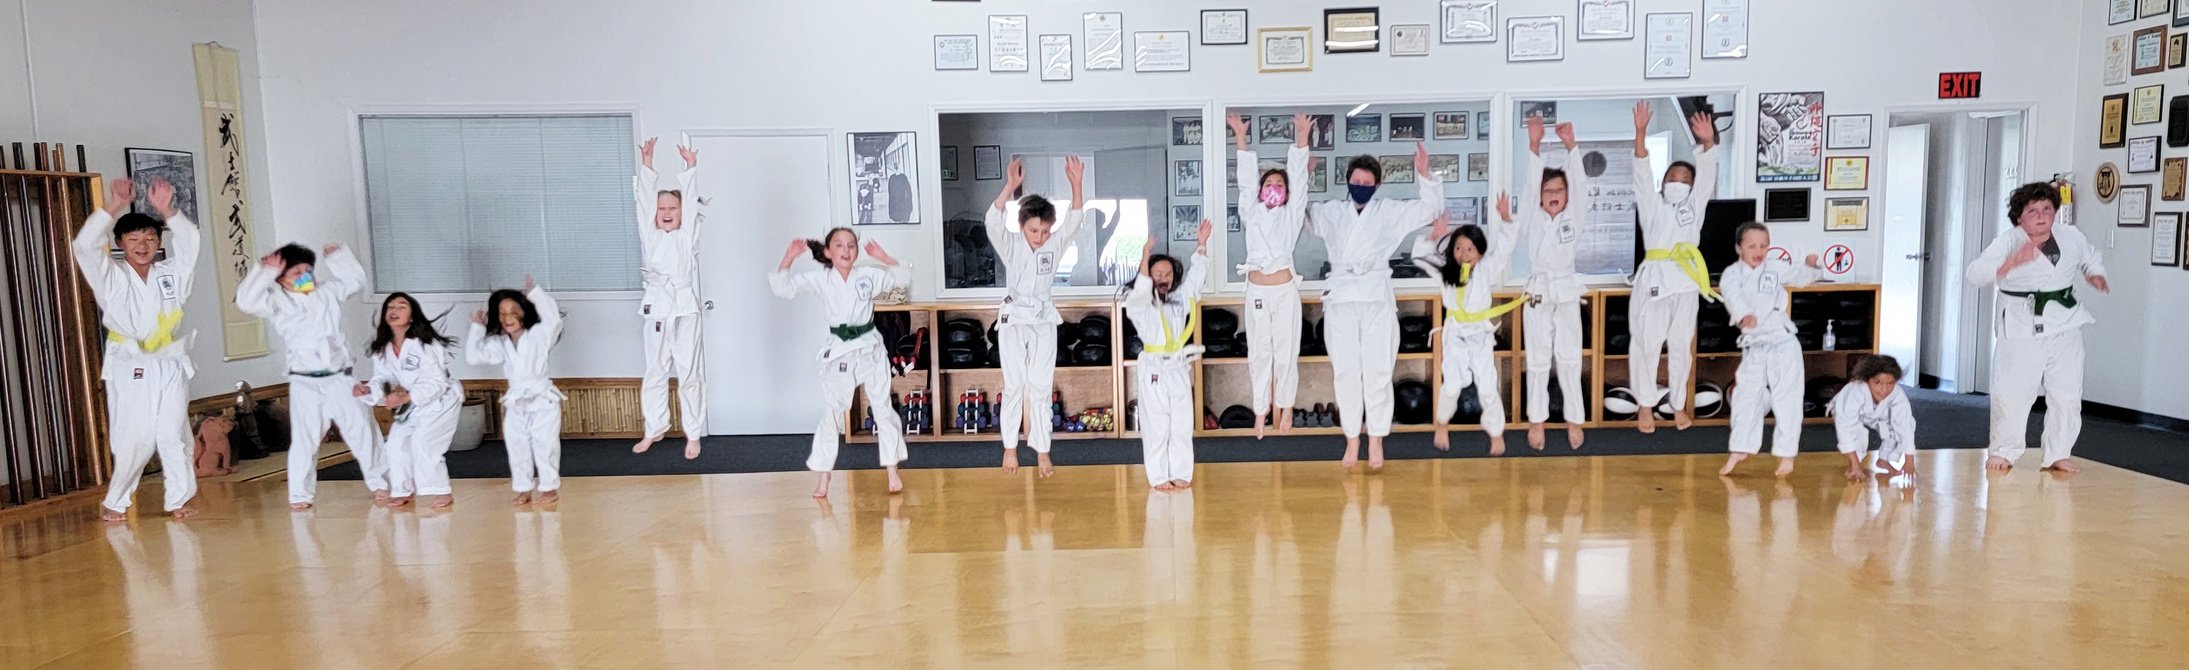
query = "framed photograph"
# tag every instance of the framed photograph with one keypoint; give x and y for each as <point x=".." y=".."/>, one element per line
<point x="1322" y="133"/>
<point x="1285" y="49"/>
<point x="1009" y="46"/>
<point x="1846" y="214"/>
<point x="1847" y="131"/>
<point x="1465" y="210"/>
<point x="2177" y="124"/>
<point x="1478" y="167"/>
<point x="1606" y="20"/>
<point x="1185" y="222"/>
<point x="1847" y="173"/>
<point x="178" y="168"/>
<point x="2147" y="104"/>
<point x="2120" y="11"/>
<point x="2113" y="121"/>
<point x="957" y="52"/>
<point x="885" y="179"/>
<point x="2177" y="50"/>
<point x="1056" y="57"/>
<point x="2173" y="178"/>
<point x="1397" y="169"/>
<point x="1410" y="39"/>
<point x="987" y="163"/>
<point x="2147" y="51"/>
<point x="1788" y="146"/>
<point x="1670" y="51"/>
<point x="1231" y="219"/>
<point x="1409" y="127"/>
<point x="1482" y="125"/>
<point x="1223" y="27"/>
<point x="949" y="163"/>
<point x="1452" y="126"/>
<point x="1785" y="204"/>
<point x="1548" y="109"/>
<point x="2166" y="239"/>
<point x="1446" y="167"/>
<point x="1275" y="129"/>
<point x="1364" y="128"/>
<point x="1318" y="174"/>
<point x="2135" y="206"/>
<point x="2153" y="8"/>
<point x="1162" y="51"/>
<point x="1535" y="38"/>
<point x="1185" y="131"/>
<point x="2116" y="60"/>
<point x="1103" y="37"/>
<point x="1352" y="30"/>
<point x="2181" y="14"/>
<point x="2143" y="155"/>
<point x="1186" y="179"/>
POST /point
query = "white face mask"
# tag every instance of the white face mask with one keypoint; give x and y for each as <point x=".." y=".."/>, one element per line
<point x="1676" y="192"/>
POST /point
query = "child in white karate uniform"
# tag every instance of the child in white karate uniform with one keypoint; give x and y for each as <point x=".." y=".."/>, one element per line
<point x="1672" y="276"/>
<point x="669" y="271"/>
<point x="1164" y="305"/>
<point x="1271" y="220"/>
<point x="1553" y="212"/>
<point x="1873" y="402"/>
<point x="411" y="356"/>
<point x="305" y="308"/>
<point x="1471" y="264"/>
<point x="147" y="366"/>
<point x="1770" y="379"/>
<point x="1027" y="320"/>
<point x="519" y="337"/>
<point x="2039" y="325"/>
<point x="855" y="356"/>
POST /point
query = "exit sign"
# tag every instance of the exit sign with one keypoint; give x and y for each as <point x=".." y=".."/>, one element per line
<point x="1958" y="85"/>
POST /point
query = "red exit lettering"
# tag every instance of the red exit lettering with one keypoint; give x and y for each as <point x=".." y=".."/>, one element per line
<point x="1960" y="85"/>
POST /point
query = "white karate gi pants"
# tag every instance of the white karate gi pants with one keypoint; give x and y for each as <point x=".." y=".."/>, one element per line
<point x="2023" y="367"/>
<point x="866" y="368"/>
<point x="315" y="402"/>
<point x="1769" y="380"/>
<point x="673" y="347"/>
<point x="1273" y="345"/>
<point x="1167" y="416"/>
<point x="1471" y="358"/>
<point x="149" y="414"/>
<point x="1363" y="338"/>
<point x="1554" y="337"/>
<point x="1029" y="374"/>
<point x="1656" y="326"/>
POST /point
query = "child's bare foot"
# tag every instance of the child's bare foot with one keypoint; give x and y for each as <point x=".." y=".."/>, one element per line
<point x="444" y="501"/>
<point x="110" y="515"/>
<point x="1535" y="436"/>
<point x="1444" y="438"/>
<point x="1258" y="426"/>
<point x="1646" y="421"/>
<point x="1375" y="453"/>
<point x="2064" y="466"/>
<point x="1907" y="467"/>
<point x="691" y="449"/>
<point x="1165" y="486"/>
<point x="1997" y="464"/>
<point x="1573" y="435"/>
<point x="380" y="495"/>
<point x="396" y="501"/>
<point x="1858" y="474"/>
<point x="1352" y="453"/>
<point x="896" y="483"/>
<point x="1730" y="461"/>
<point x="524" y="498"/>
<point x="1786" y="467"/>
<point x="1010" y="461"/>
<point x="1497" y="444"/>
<point x="547" y="497"/>
<point x="645" y="444"/>
<point x="820" y="490"/>
<point x="1284" y="421"/>
<point x="299" y="506"/>
<point x="1181" y="484"/>
<point x="183" y="512"/>
<point x="1048" y="469"/>
<point x="1682" y="420"/>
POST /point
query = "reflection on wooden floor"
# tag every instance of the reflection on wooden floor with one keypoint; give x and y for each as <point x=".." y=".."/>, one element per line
<point x="1527" y="563"/>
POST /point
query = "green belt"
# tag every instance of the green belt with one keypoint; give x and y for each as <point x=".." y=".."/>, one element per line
<point x="2065" y="296"/>
<point x="319" y="374"/>
<point x="848" y="333"/>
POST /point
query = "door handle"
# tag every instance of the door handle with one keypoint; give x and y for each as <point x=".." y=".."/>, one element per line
<point x="709" y="305"/>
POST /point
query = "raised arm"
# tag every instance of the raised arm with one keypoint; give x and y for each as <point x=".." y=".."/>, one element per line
<point x="550" y="313"/>
<point x="1068" y="224"/>
<point x="1705" y="130"/>
<point x="786" y="284"/>
<point x="1297" y="173"/>
<point x="182" y="235"/>
<point x="1429" y="202"/>
<point x="1645" y="179"/>
<point x="340" y="271"/>
<point x="477" y="350"/>
<point x="1578" y="199"/>
<point x="687" y="183"/>
<point x="1805" y="274"/>
<point x="89" y="246"/>
<point x="1013" y="178"/>
<point x="1197" y="269"/>
<point x="1076" y="173"/>
<point x="254" y="296"/>
<point x="645" y="194"/>
<point x="895" y="275"/>
<point x="1531" y="178"/>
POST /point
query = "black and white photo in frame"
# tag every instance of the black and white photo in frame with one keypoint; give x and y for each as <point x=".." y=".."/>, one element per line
<point x="1364" y="128"/>
<point x="1276" y="130"/>
<point x="1185" y="131"/>
<point x="1185" y="222"/>
<point x="885" y="179"/>
<point x="1408" y="127"/>
<point x="1322" y="133"/>
<point x="1186" y="177"/>
<point x="176" y="167"/>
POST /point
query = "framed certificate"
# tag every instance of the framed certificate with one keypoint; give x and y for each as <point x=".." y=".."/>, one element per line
<point x="1535" y="38"/>
<point x="1008" y="44"/>
<point x="2143" y="155"/>
<point x="1847" y="131"/>
<point x="1285" y="49"/>
<point x="2148" y="51"/>
<point x="1162" y="51"/>
<point x="1410" y="39"/>
<point x="1670" y="51"/>
<point x="2135" y="206"/>
<point x="987" y="163"/>
<point x="2166" y="239"/>
<point x="1606" y="20"/>
<point x="1104" y="39"/>
<point x="1846" y="214"/>
<point x="2177" y="47"/>
<point x="1725" y="28"/>
<point x="2153" y="8"/>
<point x="2120" y="11"/>
<point x="1354" y="30"/>
<point x="1847" y="173"/>
<point x="1056" y="57"/>
<point x="2148" y="104"/>
<point x="1468" y="21"/>
<point x="2113" y="121"/>
<point x="2116" y="60"/>
<point x="1223" y="27"/>
<point x="2173" y="178"/>
<point x="957" y="52"/>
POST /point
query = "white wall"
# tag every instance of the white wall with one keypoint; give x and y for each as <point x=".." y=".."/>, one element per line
<point x="865" y="66"/>
<point x="110" y="74"/>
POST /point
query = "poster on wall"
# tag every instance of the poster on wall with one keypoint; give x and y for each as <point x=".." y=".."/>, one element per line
<point x="1464" y="211"/>
<point x="1223" y="27"/>
<point x="1535" y="38"/>
<point x="1469" y="21"/>
<point x="1846" y="214"/>
<point x="2135" y="206"/>
<point x="179" y="168"/>
<point x="1162" y="51"/>
<point x="2120" y="11"/>
<point x="1105" y="40"/>
<point x="1446" y="167"/>
<point x="1548" y="109"/>
<point x="220" y="97"/>
<point x="1318" y="174"/>
<point x="1364" y="128"/>
<point x="1408" y="127"/>
<point x="1847" y="131"/>
<point x="885" y="179"/>
<point x="1607" y="236"/>
<point x="2148" y="51"/>
<point x="1671" y="39"/>
<point x="1397" y="169"/>
<point x="1275" y="129"/>
<point x="1789" y="137"/>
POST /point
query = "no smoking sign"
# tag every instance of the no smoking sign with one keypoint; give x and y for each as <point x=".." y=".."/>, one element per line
<point x="1838" y="259"/>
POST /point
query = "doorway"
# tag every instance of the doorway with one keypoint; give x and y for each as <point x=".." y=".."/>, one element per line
<point x="1947" y="176"/>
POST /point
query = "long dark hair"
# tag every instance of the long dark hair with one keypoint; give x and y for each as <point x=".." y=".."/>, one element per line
<point x="820" y="246"/>
<point x="494" y="310"/>
<point x="1448" y="270"/>
<point x="421" y="328"/>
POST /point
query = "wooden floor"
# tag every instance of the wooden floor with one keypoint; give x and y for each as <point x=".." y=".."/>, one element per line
<point x="1528" y="563"/>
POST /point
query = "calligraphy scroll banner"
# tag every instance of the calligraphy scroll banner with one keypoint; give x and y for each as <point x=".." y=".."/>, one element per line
<point x="228" y="209"/>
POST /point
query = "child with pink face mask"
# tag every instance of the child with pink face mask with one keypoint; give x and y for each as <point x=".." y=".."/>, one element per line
<point x="1271" y="219"/>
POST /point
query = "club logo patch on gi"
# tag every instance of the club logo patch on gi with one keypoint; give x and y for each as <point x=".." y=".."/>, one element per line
<point x="1257" y="303"/>
<point x="136" y="373"/>
<point x="167" y="287"/>
<point x="1565" y="233"/>
<point x="657" y="326"/>
<point x="866" y="286"/>
<point x="1653" y="291"/>
<point x="1770" y="281"/>
<point x="843" y="367"/>
<point x="644" y="310"/>
<point x="410" y="362"/>
<point x="1685" y="214"/>
<point x="1044" y="262"/>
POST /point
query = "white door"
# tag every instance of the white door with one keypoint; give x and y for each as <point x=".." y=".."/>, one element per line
<point x="1907" y="171"/>
<point x="763" y="191"/>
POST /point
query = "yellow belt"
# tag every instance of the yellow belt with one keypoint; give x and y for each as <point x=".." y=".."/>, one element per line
<point x="1464" y="316"/>
<point x="1174" y="342"/>
<point x="162" y="335"/>
<point x="1691" y="262"/>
